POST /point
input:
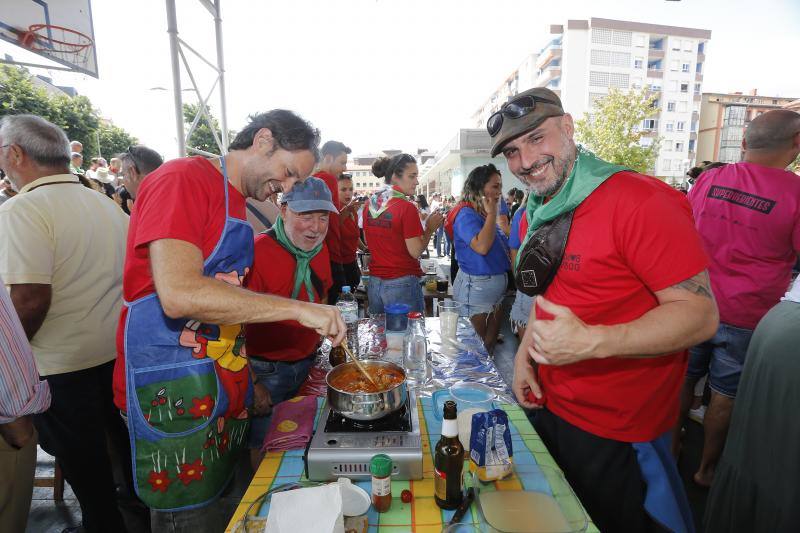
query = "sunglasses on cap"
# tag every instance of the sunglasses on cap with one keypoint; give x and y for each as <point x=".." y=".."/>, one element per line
<point x="517" y="108"/>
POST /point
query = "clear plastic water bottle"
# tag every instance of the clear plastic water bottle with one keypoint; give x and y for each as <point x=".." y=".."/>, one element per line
<point x="348" y="307"/>
<point x="415" y="351"/>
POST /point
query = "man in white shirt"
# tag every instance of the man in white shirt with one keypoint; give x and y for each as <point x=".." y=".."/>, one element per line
<point x="65" y="280"/>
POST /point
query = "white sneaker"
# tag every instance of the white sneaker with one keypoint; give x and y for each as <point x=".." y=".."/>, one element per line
<point x="698" y="414"/>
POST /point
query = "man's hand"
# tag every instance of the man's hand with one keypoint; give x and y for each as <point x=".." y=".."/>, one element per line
<point x="352" y="207"/>
<point x="262" y="401"/>
<point x="434" y="221"/>
<point x="19" y="432"/>
<point x="563" y="340"/>
<point x="324" y="319"/>
<point x="525" y="382"/>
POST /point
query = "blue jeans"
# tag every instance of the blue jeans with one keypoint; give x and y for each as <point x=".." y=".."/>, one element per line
<point x="521" y="310"/>
<point x="479" y="294"/>
<point x="402" y="290"/>
<point x="283" y="380"/>
<point x="722" y="358"/>
<point x="207" y="519"/>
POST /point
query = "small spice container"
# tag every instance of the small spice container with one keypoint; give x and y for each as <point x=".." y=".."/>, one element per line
<point x="381" y="469"/>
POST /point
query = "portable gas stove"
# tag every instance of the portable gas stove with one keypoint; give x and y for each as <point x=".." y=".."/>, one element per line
<point x="344" y="447"/>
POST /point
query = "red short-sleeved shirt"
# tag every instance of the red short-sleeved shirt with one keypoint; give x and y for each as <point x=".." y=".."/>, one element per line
<point x="334" y="237"/>
<point x="350" y="237"/>
<point x="273" y="273"/>
<point x="386" y="237"/>
<point x="631" y="237"/>
<point x="183" y="199"/>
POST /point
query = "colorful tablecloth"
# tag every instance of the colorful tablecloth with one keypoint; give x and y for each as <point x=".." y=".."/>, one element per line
<point x="422" y="515"/>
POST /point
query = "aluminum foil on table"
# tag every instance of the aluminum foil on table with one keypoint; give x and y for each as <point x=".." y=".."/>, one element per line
<point x="465" y="359"/>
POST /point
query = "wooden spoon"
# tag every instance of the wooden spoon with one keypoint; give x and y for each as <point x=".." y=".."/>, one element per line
<point x="359" y="365"/>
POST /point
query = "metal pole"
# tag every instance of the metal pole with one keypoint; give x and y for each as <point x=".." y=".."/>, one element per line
<point x="221" y="68"/>
<point x="172" y="29"/>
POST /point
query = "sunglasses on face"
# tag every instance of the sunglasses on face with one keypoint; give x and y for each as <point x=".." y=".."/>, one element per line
<point x="517" y="108"/>
<point x="129" y="151"/>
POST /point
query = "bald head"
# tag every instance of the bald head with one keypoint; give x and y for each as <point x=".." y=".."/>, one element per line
<point x="773" y="130"/>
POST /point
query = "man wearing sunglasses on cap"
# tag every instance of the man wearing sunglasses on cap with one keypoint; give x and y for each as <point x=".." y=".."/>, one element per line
<point x="622" y="291"/>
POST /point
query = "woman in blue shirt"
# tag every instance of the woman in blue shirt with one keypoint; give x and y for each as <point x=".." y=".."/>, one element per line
<point x="482" y="252"/>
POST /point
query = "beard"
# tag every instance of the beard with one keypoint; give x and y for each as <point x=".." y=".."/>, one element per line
<point x="561" y="168"/>
<point x="300" y="241"/>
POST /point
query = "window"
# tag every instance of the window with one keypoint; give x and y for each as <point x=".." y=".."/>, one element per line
<point x="682" y="107"/>
<point x="637" y="83"/>
<point x="654" y="65"/>
<point x="681" y="125"/>
<point x="673" y="85"/>
<point x="697" y="89"/>
<point x="621" y="38"/>
<point x="673" y="65"/>
<point x="669" y="126"/>
<point x="667" y="146"/>
<point x="701" y="48"/>
<point x="601" y="36"/>
<point x="655" y="103"/>
<point x="670" y="106"/>
<point x="676" y="44"/>
<point x="609" y="79"/>
<point x="638" y="62"/>
<point x="688" y="45"/>
<point x="685" y="67"/>
<point x="698" y="68"/>
<point x="679" y="146"/>
<point x="649" y="124"/>
<point x="684" y="87"/>
<point x="666" y="164"/>
<point x="638" y="40"/>
<point x="606" y="58"/>
<point x="657" y="44"/>
<point x="694" y="125"/>
<point x="655" y="86"/>
<point x="691" y="145"/>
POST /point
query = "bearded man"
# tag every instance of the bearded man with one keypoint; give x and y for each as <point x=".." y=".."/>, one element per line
<point x="291" y="260"/>
<point x="621" y="293"/>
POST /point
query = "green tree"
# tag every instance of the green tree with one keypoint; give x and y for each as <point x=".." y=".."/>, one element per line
<point x="75" y="115"/>
<point x="202" y="138"/>
<point x="613" y="132"/>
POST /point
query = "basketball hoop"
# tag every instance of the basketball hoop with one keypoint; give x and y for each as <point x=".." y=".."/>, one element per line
<point x="58" y="42"/>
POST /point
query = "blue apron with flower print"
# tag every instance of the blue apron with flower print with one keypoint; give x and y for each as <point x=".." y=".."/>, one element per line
<point x="188" y="388"/>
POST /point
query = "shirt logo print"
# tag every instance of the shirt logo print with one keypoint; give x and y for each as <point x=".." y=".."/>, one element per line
<point x="741" y="198"/>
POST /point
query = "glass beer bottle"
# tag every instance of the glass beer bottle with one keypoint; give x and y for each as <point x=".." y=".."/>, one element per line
<point x="448" y="461"/>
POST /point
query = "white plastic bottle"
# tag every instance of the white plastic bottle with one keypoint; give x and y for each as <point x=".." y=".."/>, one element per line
<point x="348" y="307"/>
<point x="415" y="351"/>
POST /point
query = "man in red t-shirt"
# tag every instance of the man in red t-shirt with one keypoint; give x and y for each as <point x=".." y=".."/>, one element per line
<point x="605" y="346"/>
<point x="290" y="261"/>
<point x="331" y="166"/>
<point x="181" y="224"/>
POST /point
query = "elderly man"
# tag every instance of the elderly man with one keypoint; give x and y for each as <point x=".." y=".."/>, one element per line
<point x="748" y="215"/>
<point x="75" y="163"/>
<point x="181" y="377"/>
<point x="290" y="261"/>
<point x="621" y="295"/>
<point x="65" y="279"/>
<point x="135" y="165"/>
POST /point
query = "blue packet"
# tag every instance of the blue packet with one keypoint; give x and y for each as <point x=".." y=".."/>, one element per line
<point x="491" y="451"/>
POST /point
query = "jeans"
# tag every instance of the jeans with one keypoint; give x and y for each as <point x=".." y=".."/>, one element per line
<point x="722" y="357"/>
<point x="403" y="290"/>
<point x="479" y="294"/>
<point x="74" y="430"/>
<point x="207" y="519"/>
<point x="521" y="310"/>
<point x="283" y="380"/>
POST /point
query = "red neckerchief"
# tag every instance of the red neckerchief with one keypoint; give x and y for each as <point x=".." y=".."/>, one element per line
<point x="450" y="222"/>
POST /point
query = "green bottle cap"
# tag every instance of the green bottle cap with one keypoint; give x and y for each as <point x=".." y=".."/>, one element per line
<point x="381" y="465"/>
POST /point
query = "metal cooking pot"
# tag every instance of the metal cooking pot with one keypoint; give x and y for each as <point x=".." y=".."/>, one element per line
<point x="366" y="406"/>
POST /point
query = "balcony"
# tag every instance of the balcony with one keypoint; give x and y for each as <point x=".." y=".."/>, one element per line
<point x="547" y="75"/>
<point x="701" y="57"/>
<point x="698" y="76"/>
<point x="655" y="73"/>
<point x="693" y="136"/>
<point x="655" y="54"/>
<point x="551" y="52"/>
<point x="698" y="97"/>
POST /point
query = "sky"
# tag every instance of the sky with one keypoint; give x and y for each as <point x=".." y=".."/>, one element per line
<point x="379" y="74"/>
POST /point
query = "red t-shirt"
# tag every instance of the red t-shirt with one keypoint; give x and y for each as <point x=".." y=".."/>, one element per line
<point x="183" y="199"/>
<point x="631" y="237"/>
<point x="273" y="273"/>
<point x="386" y="237"/>
<point x="334" y="237"/>
<point x="350" y="238"/>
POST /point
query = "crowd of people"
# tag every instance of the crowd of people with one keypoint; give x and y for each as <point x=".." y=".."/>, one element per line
<point x="156" y="311"/>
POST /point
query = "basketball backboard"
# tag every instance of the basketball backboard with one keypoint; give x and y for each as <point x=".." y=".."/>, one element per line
<point x="60" y="30"/>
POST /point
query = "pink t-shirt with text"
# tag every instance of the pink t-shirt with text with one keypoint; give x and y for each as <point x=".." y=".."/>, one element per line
<point x="748" y="216"/>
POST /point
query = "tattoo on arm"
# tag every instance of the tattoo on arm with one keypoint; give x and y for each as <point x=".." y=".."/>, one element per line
<point x="698" y="284"/>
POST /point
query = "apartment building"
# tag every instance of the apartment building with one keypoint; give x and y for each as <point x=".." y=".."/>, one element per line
<point x="725" y="116"/>
<point x="584" y="59"/>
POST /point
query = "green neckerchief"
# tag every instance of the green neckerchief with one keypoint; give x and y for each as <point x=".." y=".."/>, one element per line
<point x="588" y="172"/>
<point x="379" y="202"/>
<point x="302" y="272"/>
